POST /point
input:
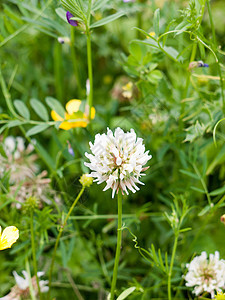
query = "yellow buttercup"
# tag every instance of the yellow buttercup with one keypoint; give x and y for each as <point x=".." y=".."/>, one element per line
<point x="220" y="296"/>
<point x="72" y="108"/>
<point x="8" y="237"/>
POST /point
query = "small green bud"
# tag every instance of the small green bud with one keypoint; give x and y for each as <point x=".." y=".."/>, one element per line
<point x="85" y="180"/>
<point x="30" y="204"/>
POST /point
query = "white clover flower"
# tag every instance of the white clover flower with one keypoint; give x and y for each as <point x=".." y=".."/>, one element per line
<point x="206" y="275"/>
<point x="21" y="289"/>
<point x="118" y="160"/>
<point x="23" y="283"/>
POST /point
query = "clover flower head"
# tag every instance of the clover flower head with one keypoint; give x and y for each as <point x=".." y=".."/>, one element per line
<point x="18" y="159"/>
<point x="8" y="237"/>
<point x="206" y="275"/>
<point x="118" y="159"/>
<point x="71" y="22"/>
<point x="74" y="117"/>
<point x="21" y="289"/>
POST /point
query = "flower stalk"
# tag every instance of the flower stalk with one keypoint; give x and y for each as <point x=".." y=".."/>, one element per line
<point x="171" y="264"/>
<point x="118" y="247"/>
<point x="59" y="236"/>
<point x="74" y="60"/>
<point x="34" y="252"/>
<point x="90" y="71"/>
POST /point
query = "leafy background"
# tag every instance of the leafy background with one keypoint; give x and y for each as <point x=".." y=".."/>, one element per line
<point x="174" y="110"/>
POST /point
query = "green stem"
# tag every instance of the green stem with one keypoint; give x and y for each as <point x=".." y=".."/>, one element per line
<point x="211" y="22"/>
<point x="58" y="71"/>
<point x="75" y="61"/>
<point x="58" y="239"/>
<point x="203" y="184"/>
<point x="118" y="247"/>
<point x="171" y="265"/>
<point x="215" y="45"/>
<point x="34" y="252"/>
<point x="90" y="72"/>
<point x="31" y="289"/>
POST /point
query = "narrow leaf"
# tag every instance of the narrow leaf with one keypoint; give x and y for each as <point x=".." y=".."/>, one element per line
<point x="108" y="19"/>
<point x="126" y="293"/>
<point x="218" y="191"/>
<point x="197" y="189"/>
<point x="204" y="210"/>
<point x="189" y="174"/>
<point x="156" y="21"/>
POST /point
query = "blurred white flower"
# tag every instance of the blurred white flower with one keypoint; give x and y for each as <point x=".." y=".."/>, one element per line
<point x="19" y="160"/>
<point x="206" y="275"/>
<point x="118" y="160"/>
<point x="22" y="286"/>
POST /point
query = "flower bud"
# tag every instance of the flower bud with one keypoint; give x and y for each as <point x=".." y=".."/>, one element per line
<point x="222" y="219"/>
<point x="86" y="180"/>
<point x="30" y="204"/>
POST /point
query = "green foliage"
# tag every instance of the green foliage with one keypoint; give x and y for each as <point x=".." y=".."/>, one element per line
<point x="145" y="57"/>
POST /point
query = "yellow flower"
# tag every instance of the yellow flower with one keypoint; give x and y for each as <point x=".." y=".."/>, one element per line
<point x="79" y="118"/>
<point x="220" y="296"/>
<point x="152" y="33"/>
<point x="127" y="90"/>
<point x="8" y="237"/>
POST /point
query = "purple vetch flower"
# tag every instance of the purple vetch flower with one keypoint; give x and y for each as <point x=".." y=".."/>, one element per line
<point x="71" y="22"/>
<point x="126" y="1"/>
<point x="70" y="149"/>
<point x="197" y="64"/>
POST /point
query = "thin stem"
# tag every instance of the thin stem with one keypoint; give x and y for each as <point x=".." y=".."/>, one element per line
<point x="211" y="22"/>
<point x="31" y="289"/>
<point x="75" y="61"/>
<point x="215" y="45"/>
<point x="58" y="71"/>
<point x="203" y="184"/>
<point x="58" y="238"/>
<point x="118" y="247"/>
<point x="171" y="264"/>
<point x="90" y="72"/>
<point x="34" y="252"/>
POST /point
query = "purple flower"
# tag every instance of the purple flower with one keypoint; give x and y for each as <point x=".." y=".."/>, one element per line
<point x="71" y="22"/>
<point x="70" y="149"/>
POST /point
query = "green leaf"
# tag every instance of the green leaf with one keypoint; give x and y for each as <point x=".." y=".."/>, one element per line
<point x="136" y="50"/>
<point x="61" y="13"/>
<point x="189" y="174"/>
<point x="108" y="19"/>
<point x="219" y="159"/>
<point x="156" y="21"/>
<point x="40" y="109"/>
<point x="22" y="109"/>
<point x="218" y="191"/>
<point x="185" y="229"/>
<point x="36" y="129"/>
<point x="197" y="190"/>
<point x="204" y="210"/>
<point x="14" y="123"/>
<point x="56" y="106"/>
<point x="98" y="4"/>
<point x="126" y="293"/>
